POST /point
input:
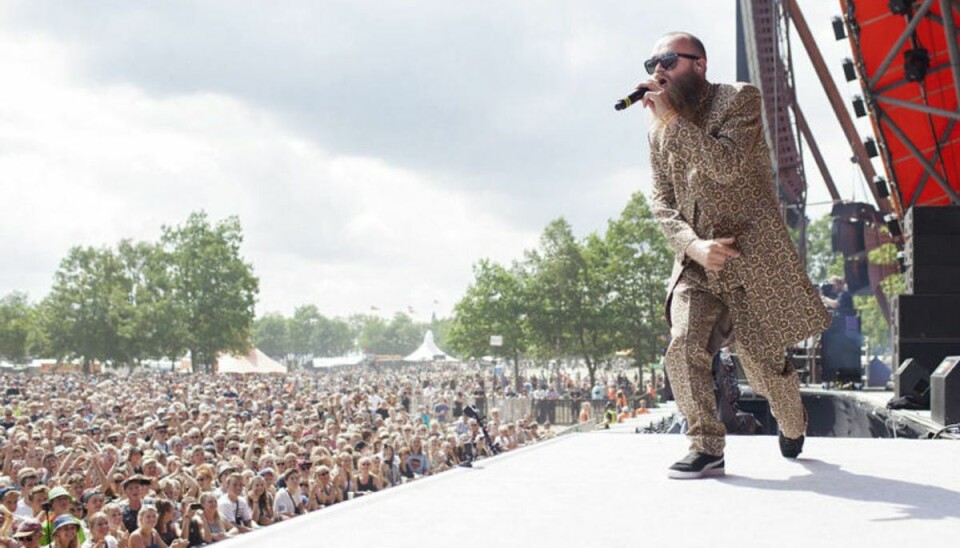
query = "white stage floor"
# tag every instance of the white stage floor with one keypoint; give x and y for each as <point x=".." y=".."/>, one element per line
<point x="609" y="488"/>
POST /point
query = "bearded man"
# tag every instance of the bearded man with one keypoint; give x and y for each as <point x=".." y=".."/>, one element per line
<point x="736" y="270"/>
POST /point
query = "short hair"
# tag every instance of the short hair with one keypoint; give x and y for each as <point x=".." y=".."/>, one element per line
<point x="694" y="41"/>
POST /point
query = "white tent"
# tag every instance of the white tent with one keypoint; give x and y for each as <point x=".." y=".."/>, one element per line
<point x="428" y="351"/>
<point x="326" y="363"/>
<point x="254" y="362"/>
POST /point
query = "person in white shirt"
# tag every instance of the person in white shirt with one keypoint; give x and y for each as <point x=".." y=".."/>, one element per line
<point x="233" y="504"/>
<point x="288" y="502"/>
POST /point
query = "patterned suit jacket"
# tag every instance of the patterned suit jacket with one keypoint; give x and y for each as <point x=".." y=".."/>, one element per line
<point x="713" y="178"/>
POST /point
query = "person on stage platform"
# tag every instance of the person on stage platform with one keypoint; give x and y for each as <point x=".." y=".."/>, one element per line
<point x="736" y="269"/>
<point x="839" y="300"/>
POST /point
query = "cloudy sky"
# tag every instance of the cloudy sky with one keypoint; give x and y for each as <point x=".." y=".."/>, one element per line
<point x="373" y="150"/>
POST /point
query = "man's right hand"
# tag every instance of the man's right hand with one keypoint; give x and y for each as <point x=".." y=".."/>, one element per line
<point x="712" y="254"/>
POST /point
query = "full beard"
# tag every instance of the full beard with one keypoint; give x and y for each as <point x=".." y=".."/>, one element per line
<point x="685" y="93"/>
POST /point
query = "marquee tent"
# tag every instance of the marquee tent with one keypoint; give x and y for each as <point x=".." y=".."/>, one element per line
<point x="428" y="351"/>
<point x="254" y="362"/>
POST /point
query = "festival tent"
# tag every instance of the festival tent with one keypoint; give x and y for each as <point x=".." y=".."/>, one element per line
<point x="254" y="362"/>
<point x="326" y="363"/>
<point x="428" y="351"/>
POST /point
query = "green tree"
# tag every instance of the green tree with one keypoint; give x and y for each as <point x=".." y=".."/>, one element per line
<point x="638" y="267"/>
<point x="313" y="334"/>
<point x="568" y="297"/>
<point x="155" y="328"/>
<point x="270" y="335"/>
<point x="213" y="290"/>
<point x="494" y="304"/>
<point x="873" y="323"/>
<point x="400" y="336"/>
<point x="87" y="307"/>
<point x="16" y="324"/>
<point x="822" y="262"/>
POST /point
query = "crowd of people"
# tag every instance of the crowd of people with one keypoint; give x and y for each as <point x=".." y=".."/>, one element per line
<point x="161" y="459"/>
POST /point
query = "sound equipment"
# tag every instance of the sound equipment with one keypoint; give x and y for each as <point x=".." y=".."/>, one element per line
<point x="846" y="236"/>
<point x="856" y="272"/>
<point x="932" y="279"/>
<point x="926" y="317"/>
<point x="924" y="320"/>
<point x="931" y="250"/>
<point x="945" y="392"/>
<point x="941" y="220"/>
<point x="912" y="377"/>
<point x="927" y="356"/>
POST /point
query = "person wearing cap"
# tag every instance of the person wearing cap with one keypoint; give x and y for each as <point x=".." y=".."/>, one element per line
<point x="28" y="478"/>
<point x="160" y="439"/>
<point x="28" y="533"/>
<point x="59" y="512"/>
<point x="31" y="504"/>
<point x="225" y="469"/>
<point x="65" y="532"/>
<point x="92" y="501"/>
<point x="133" y="490"/>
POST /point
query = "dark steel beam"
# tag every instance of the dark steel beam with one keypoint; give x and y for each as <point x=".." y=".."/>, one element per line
<point x="903" y="81"/>
<point x="911" y="26"/>
<point x="815" y="150"/>
<point x="936" y="156"/>
<point x="952" y="114"/>
<point x="833" y="95"/>
<point x="931" y="169"/>
<point x="950" y="30"/>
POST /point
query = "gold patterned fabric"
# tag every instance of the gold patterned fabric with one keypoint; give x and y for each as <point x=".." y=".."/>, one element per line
<point x="713" y="178"/>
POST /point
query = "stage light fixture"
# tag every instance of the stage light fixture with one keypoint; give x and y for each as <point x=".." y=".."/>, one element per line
<point x="838" y="31"/>
<point x="893" y="225"/>
<point x="915" y="64"/>
<point x="849" y="72"/>
<point x="859" y="107"/>
<point x="900" y="7"/>
<point x="871" y="147"/>
<point x="883" y="191"/>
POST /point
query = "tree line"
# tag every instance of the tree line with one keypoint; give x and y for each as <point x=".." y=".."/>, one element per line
<point x="309" y="334"/>
<point x="190" y="292"/>
<point x="586" y="299"/>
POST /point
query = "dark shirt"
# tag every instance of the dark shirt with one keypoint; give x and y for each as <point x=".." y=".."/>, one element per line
<point x="844" y="304"/>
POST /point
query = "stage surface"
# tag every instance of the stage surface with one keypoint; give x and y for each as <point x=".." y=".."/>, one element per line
<point x="609" y="488"/>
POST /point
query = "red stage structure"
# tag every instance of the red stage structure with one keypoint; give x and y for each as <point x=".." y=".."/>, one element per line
<point x="908" y="61"/>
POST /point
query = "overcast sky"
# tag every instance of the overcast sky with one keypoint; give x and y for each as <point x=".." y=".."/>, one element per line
<point x="373" y="151"/>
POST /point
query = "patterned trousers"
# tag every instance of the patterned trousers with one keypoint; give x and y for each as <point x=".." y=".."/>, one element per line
<point x="701" y="322"/>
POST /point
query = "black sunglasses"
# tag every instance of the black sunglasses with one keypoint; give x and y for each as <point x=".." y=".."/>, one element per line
<point x="667" y="61"/>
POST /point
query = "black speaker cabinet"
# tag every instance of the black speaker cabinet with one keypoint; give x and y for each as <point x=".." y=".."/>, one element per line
<point x="926" y="316"/>
<point x="943" y="220"/>
<point x="924" y="251"/>
<point x="911" y="377"/>
<point x="927" y="353"/>
<point x="932" y="279"/>
<point x="945" y="392"/>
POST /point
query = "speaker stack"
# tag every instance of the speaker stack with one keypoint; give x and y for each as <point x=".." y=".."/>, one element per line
<point x="925" y="326"/>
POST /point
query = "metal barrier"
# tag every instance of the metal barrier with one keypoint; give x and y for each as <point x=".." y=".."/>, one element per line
<point x="564" y="411"/>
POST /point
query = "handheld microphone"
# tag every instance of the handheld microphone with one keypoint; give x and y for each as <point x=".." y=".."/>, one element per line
<point x="630" y="99"/>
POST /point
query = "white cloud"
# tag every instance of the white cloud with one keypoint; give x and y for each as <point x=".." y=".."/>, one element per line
<point x="88" y="164"/>
<point x="373" y="151"/>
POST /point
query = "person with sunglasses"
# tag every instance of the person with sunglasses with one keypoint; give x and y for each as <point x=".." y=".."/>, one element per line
<point x="735" y="265"/>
